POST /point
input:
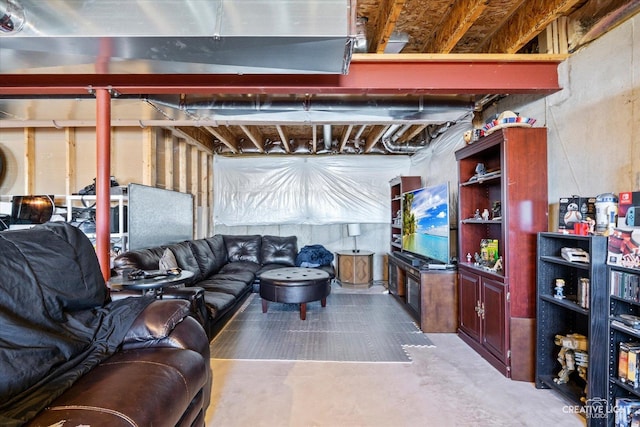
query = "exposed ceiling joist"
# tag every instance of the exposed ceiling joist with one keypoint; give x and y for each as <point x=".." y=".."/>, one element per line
<point x="463" y="15"/>
<point x="284" y="138"/>
<point x="344" y="138"/>
<point x="255" y="137"/>
<point x="225" y="137"/>
<point x="374" y="137"/>
<point x="388" y="14"/>
<point x="526" y="23"/>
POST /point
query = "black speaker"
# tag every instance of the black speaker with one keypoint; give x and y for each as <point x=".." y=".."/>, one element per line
<point x="114" y="219"/>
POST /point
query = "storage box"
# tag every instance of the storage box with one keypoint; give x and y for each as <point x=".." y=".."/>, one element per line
<point x="575" y="209"/>
<point x="624" y="247"/>
<point x="629" y="209"/>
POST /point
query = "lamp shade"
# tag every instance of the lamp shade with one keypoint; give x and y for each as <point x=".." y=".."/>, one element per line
<point x="353" y="229"/>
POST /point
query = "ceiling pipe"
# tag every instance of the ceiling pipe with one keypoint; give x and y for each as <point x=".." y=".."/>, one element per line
<point x="328" y="140"/>
<point x="326" y="104"/>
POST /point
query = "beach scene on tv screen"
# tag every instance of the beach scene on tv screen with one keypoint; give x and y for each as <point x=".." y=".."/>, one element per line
<point x="426" y="222"/>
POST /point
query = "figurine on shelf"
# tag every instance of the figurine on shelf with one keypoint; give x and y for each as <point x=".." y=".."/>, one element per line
<point x="469" y="257"/>
<point x="573" y="351"/>
<point x="485" y="214"/>
<point x="559" y="289"/>
<point x="477" y="214"/>
<point x="496" y="209"/>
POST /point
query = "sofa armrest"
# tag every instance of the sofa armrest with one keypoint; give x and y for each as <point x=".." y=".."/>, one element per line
<point x="156" y="324"/>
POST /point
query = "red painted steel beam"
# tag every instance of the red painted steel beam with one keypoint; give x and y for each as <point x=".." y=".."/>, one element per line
<point x="368" y="74"/>
<point x="103" y="172"/>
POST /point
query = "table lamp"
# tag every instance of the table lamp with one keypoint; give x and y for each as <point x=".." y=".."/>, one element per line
<point x="354" y="231"/>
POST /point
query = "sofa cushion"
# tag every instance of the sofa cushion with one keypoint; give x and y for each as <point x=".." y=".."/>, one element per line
<point x="186" y="259"/>
<point x="167" y="261"/>
<point x="231" y="287"/>
<point x="145" y="259"/>
<point x="219" y="251"/>
<point x="279" y="250"/>
<point x="204" y="257"/>
<point x="219" y="301"/>
<point x="240" y="267"/>
<point x="243" y="248"/>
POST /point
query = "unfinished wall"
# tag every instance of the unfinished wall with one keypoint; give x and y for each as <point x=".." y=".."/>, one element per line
<point x="48" y="160"/>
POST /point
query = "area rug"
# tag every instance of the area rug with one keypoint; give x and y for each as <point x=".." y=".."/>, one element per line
<point x="351" y="328"/>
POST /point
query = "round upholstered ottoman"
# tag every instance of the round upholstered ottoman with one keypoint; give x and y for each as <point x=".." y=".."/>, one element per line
<point x="295" y="285"/>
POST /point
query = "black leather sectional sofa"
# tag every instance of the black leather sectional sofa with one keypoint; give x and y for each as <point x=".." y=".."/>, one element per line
<point x="226" y="269"/>
<point x="70" y="355"/>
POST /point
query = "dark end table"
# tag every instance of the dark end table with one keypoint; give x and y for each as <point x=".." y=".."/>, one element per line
<point x="152" y="286"/>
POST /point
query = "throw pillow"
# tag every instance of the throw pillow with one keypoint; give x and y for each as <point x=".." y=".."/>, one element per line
<point x="167" y="261"/>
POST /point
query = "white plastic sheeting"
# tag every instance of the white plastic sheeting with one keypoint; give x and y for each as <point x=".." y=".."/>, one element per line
<point x="304" y="189"/>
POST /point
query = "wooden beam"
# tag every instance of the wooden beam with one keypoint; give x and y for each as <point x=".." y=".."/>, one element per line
<point x="284" y="138"/>
<point x="374" y="136"/>
<point x="411" y="133"/>
<point x="197" y="136"/>
<point x="149" y="141"/>
<point x="388" y="13"/>
<point x="255" y="136"/>
<point x="29" y="160"/>
<point x="526" y="23"/>
<point x="70" y="161"/>
<point x="225" y="136"/>
<point x="169" y="141"/>
<point x="462" y="16"/>
<point x="345" y="137"/>
<point x="182" y="165"/>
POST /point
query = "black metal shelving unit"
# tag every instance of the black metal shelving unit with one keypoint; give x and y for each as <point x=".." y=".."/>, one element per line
<point x="620" y="302"/>
<point x="565" y="316"/>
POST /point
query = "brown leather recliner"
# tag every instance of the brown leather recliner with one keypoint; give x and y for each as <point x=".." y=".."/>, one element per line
<point x="72" y="356"/>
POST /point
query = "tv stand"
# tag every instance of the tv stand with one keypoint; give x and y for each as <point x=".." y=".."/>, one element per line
<point x="430" y="295"/>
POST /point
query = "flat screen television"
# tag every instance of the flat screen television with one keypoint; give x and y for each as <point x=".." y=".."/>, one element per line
<point x="425" y="223"/>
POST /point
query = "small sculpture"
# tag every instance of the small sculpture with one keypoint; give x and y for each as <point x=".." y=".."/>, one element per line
<point x="477" y="214"/>
<point x="469" y="257"/>
<point x="573" y="351"/>
<point x="559" y="289"/>
<point x="496" y="209"/>
<point x="485" y="214"/>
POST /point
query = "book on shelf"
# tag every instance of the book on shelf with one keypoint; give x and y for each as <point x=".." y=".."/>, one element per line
<point x="628" y="363"/>
<point x="625" y="285"/>
<point x="627" y="412"/>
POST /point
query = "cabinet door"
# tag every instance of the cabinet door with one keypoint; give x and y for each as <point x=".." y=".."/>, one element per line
<point x="493" y="311"/>
<point x="469" y="297"/>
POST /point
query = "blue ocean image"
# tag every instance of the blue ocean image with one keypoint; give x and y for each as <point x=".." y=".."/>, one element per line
<point x="426" y="230"/>
<point x="436" y="247"/>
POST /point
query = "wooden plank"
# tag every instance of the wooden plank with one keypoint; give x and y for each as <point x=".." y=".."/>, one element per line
<point x="169" y="141"/>
<point x="411" y="133"/>
<point x="374" y="136"/>
<point x="388" y="14"/>
<point x="182" y="166"/>
<point x="255" y="136"/>
<point x="225" y="136"/>
<point x="29" y="160"/>
<point x="526" y="23"/>
<point x="344" y="138"/>
<point x="197" y="136"/>
<point x="463" y="15"/>
<point x="70" y="160"/>
<point x="194" y="175"/>
<point x="284" y="138"/>
<point x="149" y="141"/>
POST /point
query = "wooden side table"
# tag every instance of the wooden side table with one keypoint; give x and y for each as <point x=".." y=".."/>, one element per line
<point x="355" y="268"/>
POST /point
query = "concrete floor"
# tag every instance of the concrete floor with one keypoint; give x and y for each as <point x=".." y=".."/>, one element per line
<point x="449" y="385"/>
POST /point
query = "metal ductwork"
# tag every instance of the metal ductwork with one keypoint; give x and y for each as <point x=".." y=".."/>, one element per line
<point x="316" y="110"/>
<point x="176" y="36"/>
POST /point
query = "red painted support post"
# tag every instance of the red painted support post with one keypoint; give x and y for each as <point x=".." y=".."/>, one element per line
<point x="103" y="170"/>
